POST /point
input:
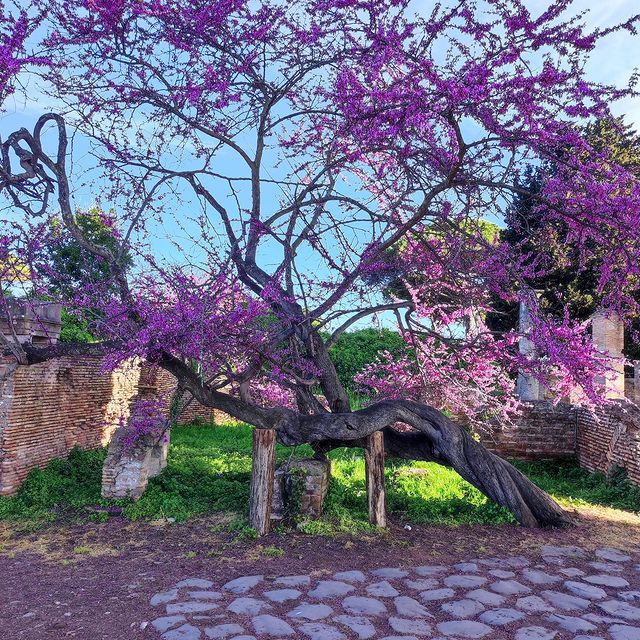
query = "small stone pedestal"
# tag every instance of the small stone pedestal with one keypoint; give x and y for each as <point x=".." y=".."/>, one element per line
<point x="127" y="470"/>
<point x="300" y="488"/>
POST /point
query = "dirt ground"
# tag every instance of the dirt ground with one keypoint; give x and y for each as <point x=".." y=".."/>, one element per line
<point x="93" y="582"/>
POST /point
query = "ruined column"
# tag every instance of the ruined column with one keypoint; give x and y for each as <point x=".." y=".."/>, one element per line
<point x="607" y="331"/>
<point x="528" y="387"/>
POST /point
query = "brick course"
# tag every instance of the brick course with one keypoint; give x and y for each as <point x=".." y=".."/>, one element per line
<point x="609" y="437"/>
<point x="48" y="408"/>
<point x="542" y="431"/>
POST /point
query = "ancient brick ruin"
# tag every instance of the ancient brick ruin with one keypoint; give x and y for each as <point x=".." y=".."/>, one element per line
<point x="48" y="408"/>
<point x="603" y="439"/>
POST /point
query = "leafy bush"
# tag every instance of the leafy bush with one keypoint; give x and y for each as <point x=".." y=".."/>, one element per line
<point x="354" y="350"/>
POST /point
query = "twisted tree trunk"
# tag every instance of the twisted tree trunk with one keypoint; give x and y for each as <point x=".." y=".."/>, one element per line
<point x="436" y="439"/>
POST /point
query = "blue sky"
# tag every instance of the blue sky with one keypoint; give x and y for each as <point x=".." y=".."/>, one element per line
<point x="614" y="61"/>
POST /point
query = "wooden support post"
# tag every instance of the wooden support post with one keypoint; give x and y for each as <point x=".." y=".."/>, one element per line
<point x="374" y="460"/>
<point x="264" y="456"/>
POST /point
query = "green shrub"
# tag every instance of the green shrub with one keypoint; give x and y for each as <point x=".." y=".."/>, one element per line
<point x="353" y="350"/>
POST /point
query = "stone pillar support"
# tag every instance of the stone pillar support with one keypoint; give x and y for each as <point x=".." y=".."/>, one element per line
<point x="528" y="387"/>
<point x="607" y="331"/>
<point x="128" y="467"/>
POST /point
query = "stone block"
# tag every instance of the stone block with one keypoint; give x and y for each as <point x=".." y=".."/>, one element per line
<point x="300" y="488"/>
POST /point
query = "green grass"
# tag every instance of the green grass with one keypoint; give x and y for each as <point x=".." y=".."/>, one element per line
<point x="209" y="470"/>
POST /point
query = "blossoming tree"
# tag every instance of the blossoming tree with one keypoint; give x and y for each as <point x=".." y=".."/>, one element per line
<point x="275" y="166"/>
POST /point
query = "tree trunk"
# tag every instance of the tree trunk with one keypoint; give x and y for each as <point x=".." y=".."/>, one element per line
<point x="262" y="472"/>
<point x="374" y="461"/>
<point x="435" y="439"/>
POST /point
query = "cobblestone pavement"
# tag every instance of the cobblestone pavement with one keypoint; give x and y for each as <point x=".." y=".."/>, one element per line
<point x="565" y="593"/>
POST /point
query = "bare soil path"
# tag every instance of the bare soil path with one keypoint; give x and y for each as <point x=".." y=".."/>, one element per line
<point x="95" y="582"/>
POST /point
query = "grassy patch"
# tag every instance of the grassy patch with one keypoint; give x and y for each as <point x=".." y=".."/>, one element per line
<point x="209" y="469"/>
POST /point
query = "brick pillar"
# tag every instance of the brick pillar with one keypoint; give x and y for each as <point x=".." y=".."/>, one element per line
<point x="528" y="388"/>
<point x="8" y="366"/>
<point x="607" y="332"/>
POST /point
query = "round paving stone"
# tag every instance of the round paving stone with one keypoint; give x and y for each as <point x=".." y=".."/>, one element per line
<point x="535" y="633"/>
<point x="465" y="581"/>
<point x="415" y="627"/>
<point x="572" y="572"/>
<point x="243" y="584"/>
<point x="437" y="594"/>
<point x="320" y="631"/>
<point x="464" y="629"/>
<point x="185" y="632"/>
<point x="501" y="573"/>
<point x="190" y="607"/>
<point x="388" y="572"/>
<point x="462" y="608"/>
<point x="539" y="577"/>
<point x="466" y="567"/>
<point x="629" y="595"/>
<point x="570" y="623"/>
<point x="607" y="581"/>
<point x="421" y="583"/>
<point x="533" y="604"/>
<point x="293" y="581"/>
<point x="350" y="576"/>
<point x="612" y="555"/>
<point x="248" y="606"/>
<point x="585" y="590"/>
<point x="382" y="590"/>
<point x="269" y="625"/>
<point x="223" y="631"/>
<point x="244" y="638"/>
<point x="362" y="605"/>
<point x="431" y="570"/>
<point x="517" y="562"/>
<point x="166" y="622"/>
<point x="499" y="617"/>
<point x="330" y="589"/>
<point x="624" y="632"/>
<point x="164" y="597"/>
<point x="410" y="608"/>
<point x="486" y="597"/>
<point x="564" y="600"/>
<point x="620" y="609"/>
<point x="282" y="595"/>
<point x="509" y="587"/>
<point x="311" y="611"/>
<point x="205" y="595"/>
<point x="361" y="626"/>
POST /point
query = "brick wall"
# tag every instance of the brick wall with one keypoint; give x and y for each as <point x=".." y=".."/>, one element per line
<point x="48" y="408"/>
<point x="543" y="431"/>
<point x="609" y="437"/>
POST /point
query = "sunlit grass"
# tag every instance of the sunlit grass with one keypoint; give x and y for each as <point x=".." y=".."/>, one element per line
<point x="209" y="470"/>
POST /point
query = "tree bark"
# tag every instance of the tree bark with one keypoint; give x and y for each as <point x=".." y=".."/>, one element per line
<point x="374" y="462"/>
<point x="264" y="453"/>
<point x="436" y="439"/>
